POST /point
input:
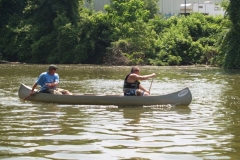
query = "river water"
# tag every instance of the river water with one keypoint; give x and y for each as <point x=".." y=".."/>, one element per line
<point x="209" y="128"/>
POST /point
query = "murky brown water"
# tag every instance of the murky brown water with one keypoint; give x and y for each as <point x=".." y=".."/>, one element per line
<point x="209" y="128"/>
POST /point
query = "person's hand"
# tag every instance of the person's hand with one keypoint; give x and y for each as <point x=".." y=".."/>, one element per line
<point x="48" y="84"/>
<point x="32" y="93"/>
<point x="147" y="92"/>
<point x="154" y="74"/>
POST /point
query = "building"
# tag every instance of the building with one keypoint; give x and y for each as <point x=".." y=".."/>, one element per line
<point x="207" y="8"/>
<point x="171" y="7"/>
<point x="167" y="7"/>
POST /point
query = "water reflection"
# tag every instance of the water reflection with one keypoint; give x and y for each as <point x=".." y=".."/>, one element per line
<point x="134" y="114"/>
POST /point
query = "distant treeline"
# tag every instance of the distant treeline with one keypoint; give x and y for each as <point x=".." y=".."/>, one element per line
<point x="130" y="32"/>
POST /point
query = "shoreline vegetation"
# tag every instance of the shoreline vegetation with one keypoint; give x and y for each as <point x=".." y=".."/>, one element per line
<point x="127" y="33"/>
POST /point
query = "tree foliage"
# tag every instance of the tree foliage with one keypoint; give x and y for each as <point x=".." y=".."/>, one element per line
<point x="187" y="40"/>
<point x="128" y="20"/>
<point x="230" y="48"/>
<point x="130" y="32"/>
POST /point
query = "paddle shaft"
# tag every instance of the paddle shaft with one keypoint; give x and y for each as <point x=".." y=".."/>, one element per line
<point x="150" y="85"/>
<point x="27" y="97"/>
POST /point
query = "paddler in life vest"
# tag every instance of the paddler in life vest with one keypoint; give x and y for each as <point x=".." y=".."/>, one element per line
<point x="132" y="86"/>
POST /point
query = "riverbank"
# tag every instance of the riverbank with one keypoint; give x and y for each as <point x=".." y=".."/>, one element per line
<point x="7" y="62"/>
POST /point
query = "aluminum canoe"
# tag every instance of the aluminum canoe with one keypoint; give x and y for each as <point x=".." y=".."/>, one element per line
<point x="182" y="97"/>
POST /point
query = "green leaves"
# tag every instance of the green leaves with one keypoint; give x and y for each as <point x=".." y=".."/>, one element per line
<point x="131" y="32"/>
<point x="128" y="20"/>
<point x="187" y="40"/>
<point x="230" y="47"/>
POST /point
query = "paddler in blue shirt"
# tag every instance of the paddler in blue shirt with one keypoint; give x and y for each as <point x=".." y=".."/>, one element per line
<point x="49" y="81"/>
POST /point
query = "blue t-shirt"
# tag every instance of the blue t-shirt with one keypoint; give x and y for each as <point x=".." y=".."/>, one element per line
<point x="45" y="77"/>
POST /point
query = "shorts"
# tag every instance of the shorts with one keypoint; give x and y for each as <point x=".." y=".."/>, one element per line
<point x="55" y="91"/>
<point x="134" y="92"/>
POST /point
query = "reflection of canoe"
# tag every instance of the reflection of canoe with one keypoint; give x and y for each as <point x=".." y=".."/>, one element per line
<point x="182" y="97"/>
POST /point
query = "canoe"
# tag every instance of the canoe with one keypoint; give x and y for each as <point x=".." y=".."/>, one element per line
<point x="182" y="97"/>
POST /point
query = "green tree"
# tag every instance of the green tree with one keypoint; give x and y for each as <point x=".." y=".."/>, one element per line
<point x="12" y="28"/>
<point x="230" y="46"/>
<point x="29" y="34"/>
<point x="152" y="7"/>
<point x="45" y="34"/>
<point x="186" y="40"/>
<point x="8" y="9"/>
<point x="94" y="32"/>
<point x="132" y="37"/>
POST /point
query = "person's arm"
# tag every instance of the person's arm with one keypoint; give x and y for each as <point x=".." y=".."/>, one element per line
<point x="54" y="84"/>
<point x="143" y="89"/>
<point x="134" y="77"/>
<point x="32" y="91"/>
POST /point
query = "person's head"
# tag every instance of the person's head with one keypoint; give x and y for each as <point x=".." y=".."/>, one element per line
<point x="135" y="70"/>
<point x="52" y="68"/>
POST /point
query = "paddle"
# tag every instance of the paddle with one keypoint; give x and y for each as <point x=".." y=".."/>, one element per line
<point x="27" y="97"/>
<point x="30" y="95"/>
<point x="150" y="85"/>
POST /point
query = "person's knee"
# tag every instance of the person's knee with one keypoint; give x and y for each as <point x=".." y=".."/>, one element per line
<point x="56" y="92"/>
<point x="139" y="92"/>
<point x="146" y="94"/>
<point x="66" y="92"/>
<point x="69" y="93"/>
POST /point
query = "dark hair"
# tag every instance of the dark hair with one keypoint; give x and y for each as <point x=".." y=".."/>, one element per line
<point x="134" y="68"/>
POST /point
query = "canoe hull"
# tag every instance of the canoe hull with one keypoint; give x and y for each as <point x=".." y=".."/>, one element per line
<point x="182" y="97"/>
